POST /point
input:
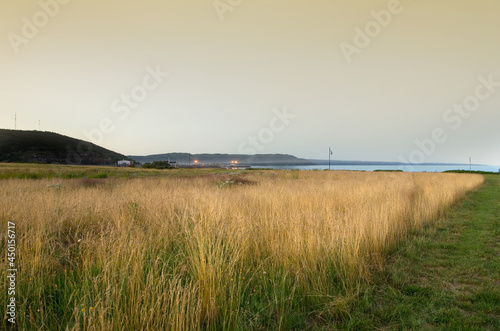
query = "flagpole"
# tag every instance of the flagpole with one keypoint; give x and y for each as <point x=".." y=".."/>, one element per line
<point x="329" y="154"/>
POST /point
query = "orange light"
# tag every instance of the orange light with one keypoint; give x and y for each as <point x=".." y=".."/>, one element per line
<point x="235" y="161"/>
<point x="195" y="161"/>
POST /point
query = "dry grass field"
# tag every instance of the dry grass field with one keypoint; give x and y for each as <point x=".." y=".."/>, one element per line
<point x="218" y="250"/>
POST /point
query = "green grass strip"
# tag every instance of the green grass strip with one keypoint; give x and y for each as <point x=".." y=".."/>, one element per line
<point x="446" y="277"/>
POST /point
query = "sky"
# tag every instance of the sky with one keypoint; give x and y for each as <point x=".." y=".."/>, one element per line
<point x="390" y="80"/>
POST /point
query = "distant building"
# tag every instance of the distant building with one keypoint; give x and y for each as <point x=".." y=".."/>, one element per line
<point x="124" y="163"/>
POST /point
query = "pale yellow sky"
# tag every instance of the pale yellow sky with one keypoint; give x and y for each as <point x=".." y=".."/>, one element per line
<point x="69" y="64"/>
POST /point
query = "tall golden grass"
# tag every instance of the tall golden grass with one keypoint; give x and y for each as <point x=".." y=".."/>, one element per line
<point x="263" y="249"/>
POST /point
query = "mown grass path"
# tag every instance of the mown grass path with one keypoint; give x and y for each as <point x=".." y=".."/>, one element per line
<point x="446" y="277"/>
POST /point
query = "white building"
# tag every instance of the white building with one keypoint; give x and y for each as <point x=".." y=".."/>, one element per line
<point x="124" y="163"/>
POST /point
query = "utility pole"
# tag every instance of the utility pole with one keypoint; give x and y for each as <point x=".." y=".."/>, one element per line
<point x="470" y="164"/>
<point x="15" y="121"/>
<point x="39" y="126"/>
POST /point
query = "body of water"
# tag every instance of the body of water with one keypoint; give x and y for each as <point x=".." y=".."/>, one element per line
<point x="406" y="168"/>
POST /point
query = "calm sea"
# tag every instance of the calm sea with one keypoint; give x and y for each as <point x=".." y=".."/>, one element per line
<point x="406" y="168"/>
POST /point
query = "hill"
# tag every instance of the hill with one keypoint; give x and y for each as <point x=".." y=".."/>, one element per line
<point x="258" y="159"/>
<point x="50" y="147"/>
